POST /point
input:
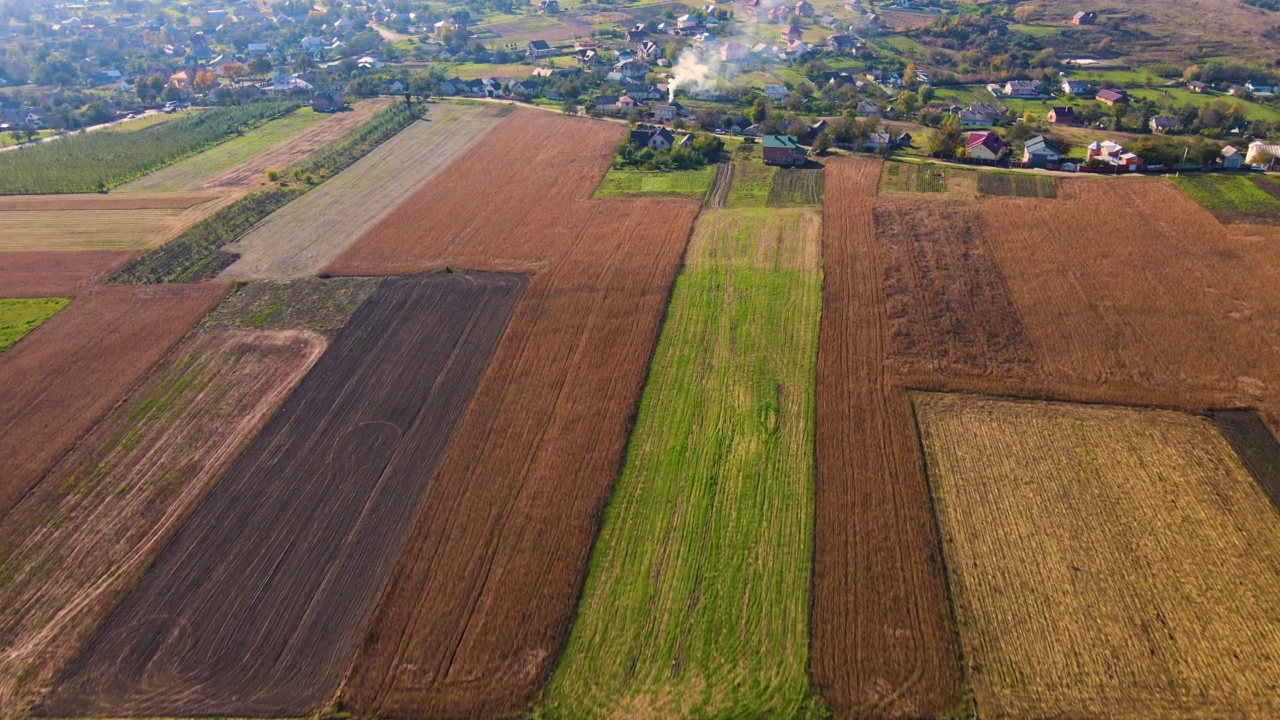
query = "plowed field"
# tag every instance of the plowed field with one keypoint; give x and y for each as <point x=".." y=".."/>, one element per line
<point x="697" y="602"/>
<point x="67" y="372"/>
<point x="87" y="531"/>
<point x="882" y="641"/>
<point x="257" y="605"/>
<point x="481" y="603"/>
<point x="44" y="274"/>
<point x="303" y="236"/>
<point x="1105" y="562"/>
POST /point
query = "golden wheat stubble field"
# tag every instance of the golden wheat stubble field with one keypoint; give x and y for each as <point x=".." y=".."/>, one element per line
<point x="1104" y="562"/>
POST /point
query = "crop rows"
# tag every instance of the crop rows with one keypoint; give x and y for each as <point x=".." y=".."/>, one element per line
<point x="1016" y="184"/>
<point x="697" y="599"/>
<point x="92" y="162"/>
<point x="796" y="187"/>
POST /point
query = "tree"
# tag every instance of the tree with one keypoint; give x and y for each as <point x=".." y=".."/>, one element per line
<point x="910" y="76"/>
<point x="1118" y="113"/>
<point x="924" y="94"/>
<point x="948" y="141"/>
<point x="822" y="143"/>
<point x="260" y="65"/>
<point x="205" y="79"/>
<point x="302" y="61"/>
<point x="149" y="88"/>
<point x="1025" y="13"/>
<point x="234" y="71"/>
<point x="759" y="111"/>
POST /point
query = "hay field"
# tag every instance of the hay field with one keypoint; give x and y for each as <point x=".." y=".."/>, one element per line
<point x="303" y="236"/>
<point x="128" y="229"/>
<point x="19" y="316"/>
<point x="1105" y="562"/>
<point x="481" y="603"/>
<point x="697" y="599"/>
<point x="78" y="364"/>
<point x="73" y="547"/>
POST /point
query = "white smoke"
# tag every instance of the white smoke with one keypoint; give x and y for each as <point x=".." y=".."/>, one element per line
<point x="695" y="70"/>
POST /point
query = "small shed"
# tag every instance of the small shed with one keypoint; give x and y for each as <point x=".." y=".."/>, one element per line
<point x="1231" y="158"/>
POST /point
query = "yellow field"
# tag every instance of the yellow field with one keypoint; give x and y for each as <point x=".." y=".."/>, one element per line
<point x="96" y="229"/>
<point x="1104" y="562"/>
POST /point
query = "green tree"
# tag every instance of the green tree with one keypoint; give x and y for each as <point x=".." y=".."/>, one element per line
<point x="822" y="143"/>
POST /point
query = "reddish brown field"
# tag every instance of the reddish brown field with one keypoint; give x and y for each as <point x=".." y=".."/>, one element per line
<point x="55" y="274"/>
<point x="480" y="605"/>
<point x="75" y="366"/>
<point x="882" y="642"/>
<point x="1156" y="304"/>
<point x="256" y="607"/>
<point x="86" y="532"/>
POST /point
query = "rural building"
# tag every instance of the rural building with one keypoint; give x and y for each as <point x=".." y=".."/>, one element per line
<point x="979" y="114"/>
<point x="1113" y="154"/>
<point x="327" y="101"/>
<point x="733" y="52"/>
<point x="804" y="8"/>
<point x="1023" y="88"/>
<point x="793" y="34"/>
<point x="1196" y="86"/>
<point x="588" y="56"/>
<point x="649" y="50"/>
<point x="1085" y="17"/>
<point x="783" y="150"/>
<point x="776" y="93"/>
<point x="1040" y="152"/>
<point x="1112" y="96"/>
<point x="734" y="124"/>
<point x="1076" y="87"/>
<point x="667" y="113"/>
<point x="985" y="146"/>
<point x="1260" y="89"/>
<point x="1161" y="124"/>
<point x="1261" y="153"/>
<point x="631" y="69"/>
<point x="1231" y="158"/>
<point x="866" y="108"/>
<point x="549" y="7"/>
<point x="540" y="49"/>
<point x="1062" y="116"/>
<point x="653" y="138"/>
<point x="841" y="44"/>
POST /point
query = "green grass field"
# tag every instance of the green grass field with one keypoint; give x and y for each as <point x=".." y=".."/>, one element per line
<point x="685" y="183"/>
<point x="19" y="316"/>
<point x="1232" y="198"/>
<point x="199" y="168"/>
<point x="697" y="600"/>
<point x="752" y="179"/>
<point x="914" y="177"/>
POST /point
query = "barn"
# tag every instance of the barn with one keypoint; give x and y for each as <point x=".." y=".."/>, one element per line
<point x="783" y="150"/>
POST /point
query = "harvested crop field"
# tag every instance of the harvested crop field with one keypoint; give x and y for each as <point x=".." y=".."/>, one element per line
<point x="481" y="604"/>
<point x="78" y="364"/>
<point x="1105" y="562"/>
<point x="63" y="230"/>
<point x="1016" y="184"/>
<point x="41" y="274"/>
<point x="697" y="599"/>
<point x="73" y="547"/>
<point x="303" y="236"/>
<point x="796" y="187"/>
<point x="882" y="639"/>
<point x="336" y="477"/>
<point x="19" y="316"/>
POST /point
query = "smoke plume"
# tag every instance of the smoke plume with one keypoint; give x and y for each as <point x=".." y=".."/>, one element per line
<point x="696" y="69"/>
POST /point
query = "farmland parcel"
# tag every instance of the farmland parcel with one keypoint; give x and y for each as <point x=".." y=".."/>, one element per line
<point x="43" y="274"/>
<point x="334" y="479"/>
<point x="480" y="605"/>
<point x="1105" y="562"/>
<point x="82" y="537"/>
<point x="19" y="316"/>
<point x="697" y="601"/>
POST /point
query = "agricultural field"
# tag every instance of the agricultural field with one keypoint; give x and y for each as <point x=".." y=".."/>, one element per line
<point x="752" y="179"/>
<point x="796" y="187"/>
<point x="19" y="316"/>
<point x="722" y="449"/>
<point x="680" y="183"/>
<point x="95" y="161"/>
<point x="335" y="476"/>
<point x="1234" y="198"/>
<point x="61" y="274"/>
<point x="917" y="177"/>
<point x="86" y="532"/>
<point x="78" y="364"/>
<point x="313" y="304"/>
<point x="477" y="611"/>
<point x="306" y="234"/>
<point x="137" y="224"/>
<point x="882" y="642"/>
<point x="1061" y="526"/>
<point x="1018" y="185"/>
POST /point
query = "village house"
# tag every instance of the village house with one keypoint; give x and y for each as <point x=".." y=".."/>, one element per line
<point x="654" y="138"/>
<point x="631" y="69"/>
<point x="1023" y="88"/>
<point x="1078" y="88"/>
<point x="776" y="93"/>
<point x="1161" y="124"/>
<point x="841" y="44"/>
<point x="649" y="50"/>
<point x="985" y="147"/>
<point x="732" y="52"/>
<point x="1260" y="153"/>
<point x="1231" y="158"/>
<point x="1062" y="116"/>
<point x="327" y="101"/>
<point x="1260" y="89"/>
<point x="1112" y="96"/>
<point x="549" y="7"/>
<point x="668" y="112"/>
<point x="804" y="9"/>
<point x="792" y="34"/>
<point x="1113" y="154"/>
<point x="588" y="57"/>
<point x="1085" y="17"/>
<point x="540" y="49"/>
<point x="783" y="150"/>
<point x="979" y="114"/>
<point x="1197" y="87"/>
<point x="734" y="124"/>
<point x="1040" y="152"/>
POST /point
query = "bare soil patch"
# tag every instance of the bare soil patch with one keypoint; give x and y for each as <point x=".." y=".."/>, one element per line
<point x="67" y="372"/>
<point x="257" y="605"/>
<point x="87" y="531"/>
<point x="60" y="274"/>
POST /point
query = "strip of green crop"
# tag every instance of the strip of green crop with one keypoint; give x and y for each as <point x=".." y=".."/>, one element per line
<point x="697" y="600"/>
<point x="19" y="316"/>
<point x="197" y="253"/>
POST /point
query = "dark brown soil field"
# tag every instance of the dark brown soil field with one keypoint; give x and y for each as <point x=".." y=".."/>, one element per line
<point x="55" y="274"/>
<point x="86" y="533"/>
<point x="1256" y="445"/>
<point x="257" y="605"/>
<point x="78" y="364"/>
<point x="883" y="643"/>
<point x="480" y="606"/>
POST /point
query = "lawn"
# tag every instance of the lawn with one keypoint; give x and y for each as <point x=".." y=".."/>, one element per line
<point x="752" y="179"/>
<point x="1181" y="96"/>
<point x="19" y="316"/>
<point x="1232" y="198"/>
<point x="697" y="598"/>
<point x="685" y="183"/>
